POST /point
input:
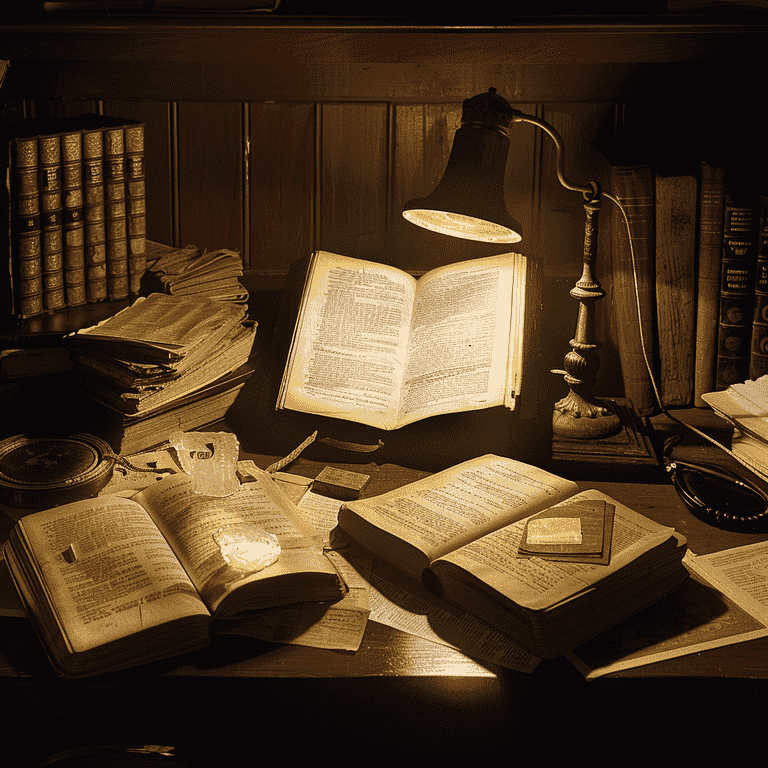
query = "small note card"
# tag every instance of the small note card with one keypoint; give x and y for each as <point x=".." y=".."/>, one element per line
<point x="554" y="530"/>
<point x="574" y="531"/>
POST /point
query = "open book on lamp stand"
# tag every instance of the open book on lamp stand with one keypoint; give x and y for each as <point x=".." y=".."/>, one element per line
<point x="469" y="203"/>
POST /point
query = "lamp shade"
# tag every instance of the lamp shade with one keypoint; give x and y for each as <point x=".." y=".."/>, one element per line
<point x="469" y="200"/>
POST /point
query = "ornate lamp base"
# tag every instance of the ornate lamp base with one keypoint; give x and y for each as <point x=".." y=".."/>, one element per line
<point x="574" y="417"/>
<point x="631" y="443"/>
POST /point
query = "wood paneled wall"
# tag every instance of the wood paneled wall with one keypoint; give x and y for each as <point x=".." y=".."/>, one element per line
<point x="276" y="180"/>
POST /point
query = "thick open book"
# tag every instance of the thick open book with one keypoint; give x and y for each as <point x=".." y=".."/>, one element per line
<point x="374" y="345"/>
<point x="111" y="582"/>
<point x="458" y="532"/>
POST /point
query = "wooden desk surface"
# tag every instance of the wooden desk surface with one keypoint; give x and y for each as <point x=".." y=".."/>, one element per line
<point x="323" y="689"/>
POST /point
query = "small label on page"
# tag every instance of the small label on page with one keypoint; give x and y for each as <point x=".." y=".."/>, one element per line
<point x="554" y="530"/>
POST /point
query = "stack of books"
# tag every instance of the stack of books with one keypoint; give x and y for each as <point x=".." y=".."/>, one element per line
<point x="193" y="271"/>
<point x="164" y="363"/>
<point x="74" y="193"/>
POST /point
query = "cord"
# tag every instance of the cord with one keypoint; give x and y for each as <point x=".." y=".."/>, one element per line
<point x="648" y="365"/>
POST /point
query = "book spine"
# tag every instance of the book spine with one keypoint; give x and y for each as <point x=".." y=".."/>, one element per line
<point x="737" y="274"/>
<point x="52" y="211"/>
<point x="94" y="216"/>
<point x="74" y="229"/>
<point x="136" y="204"/>
<point x="676" y="207"/>
<point x="758" y="355"/>
<point x="7" y="229"/>
<point x="634" y="188"/>
<point x="27" y="242"/>
<point x="711" y="209"/>
<point x="115" y="209"/>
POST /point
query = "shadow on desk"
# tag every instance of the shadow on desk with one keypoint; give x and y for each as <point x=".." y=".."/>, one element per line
<point x="397" y="697"/>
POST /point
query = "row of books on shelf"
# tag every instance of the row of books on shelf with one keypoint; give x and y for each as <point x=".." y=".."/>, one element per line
<point x="700" y="244"/>
<point x="75" y="197"/>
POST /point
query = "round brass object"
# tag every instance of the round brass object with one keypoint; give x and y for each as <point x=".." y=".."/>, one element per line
<point x="40" y="472"/>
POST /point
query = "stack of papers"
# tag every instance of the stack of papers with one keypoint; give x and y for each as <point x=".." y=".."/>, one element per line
<point x="196" y="272"/>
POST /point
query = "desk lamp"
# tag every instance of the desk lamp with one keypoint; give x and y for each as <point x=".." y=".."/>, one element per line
<point x="469" y="203"/>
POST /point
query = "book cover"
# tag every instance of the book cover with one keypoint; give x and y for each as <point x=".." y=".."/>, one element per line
<point x="74" y="227"/>
<point x="52" y="221"/>
<point x="676" y="205"/>
<point x="136" y="204"/>
<point x="94" y="215"/>
<point x="634" y="187"/>
<point x="115" y="213"/>
<point x="758" y="355"/>
<point x="26" y="246"/>
<point x="710" y="243"/>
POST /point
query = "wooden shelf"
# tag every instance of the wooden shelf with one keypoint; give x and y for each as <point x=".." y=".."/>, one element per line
<point x="250" y="40"/>
<point x="255" y="59"/>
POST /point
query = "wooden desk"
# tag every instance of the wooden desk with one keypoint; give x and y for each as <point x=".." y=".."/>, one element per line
<point x="397" y="695"/>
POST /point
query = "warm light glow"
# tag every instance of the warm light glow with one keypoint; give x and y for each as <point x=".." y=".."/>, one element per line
<point x="458" y="225"/>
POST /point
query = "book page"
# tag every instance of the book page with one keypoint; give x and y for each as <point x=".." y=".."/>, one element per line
<point x="191" y="522"/>
<point x="467" y="319"/>
<point x="536" y="583"/>
<point x="451" y="508"/>
<point x="107" y="570"/>
<point x="348" y="352"/>
<point x="740" y="573"/>
<point x="741" y="408"/>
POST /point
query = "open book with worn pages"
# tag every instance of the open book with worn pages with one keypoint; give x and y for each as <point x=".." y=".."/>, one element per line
<point x="374" y="345"/>
<point x="459" y="533"/>
<point x="111" y="582"/>
<point x="745" y="406"/>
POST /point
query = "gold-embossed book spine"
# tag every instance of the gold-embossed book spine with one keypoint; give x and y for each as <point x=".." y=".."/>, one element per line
<point x="74" y="228"/>
<point x="94" y="215"/>
<point x="116" y="222"/>
<point x="136" y="202"/>
<point x="27" y="248"/>
<point x="52" y="219"/>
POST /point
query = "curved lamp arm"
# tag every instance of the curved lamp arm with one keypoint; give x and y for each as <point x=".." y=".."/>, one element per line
<point x="591" y="191"/>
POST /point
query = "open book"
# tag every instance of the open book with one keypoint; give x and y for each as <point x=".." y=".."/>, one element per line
<point x="374" y="345"/>
<point x="745" y="405"/>
<point x="111" y="582"/>
<point x="458" y="532"/>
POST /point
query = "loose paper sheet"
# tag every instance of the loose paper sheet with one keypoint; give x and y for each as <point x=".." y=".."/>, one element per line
<point x="402" y="610"/>
<point x="724" y="603"/>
